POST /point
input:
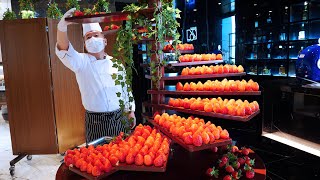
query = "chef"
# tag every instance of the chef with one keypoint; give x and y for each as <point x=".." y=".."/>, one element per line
<point x="93" y="72"/>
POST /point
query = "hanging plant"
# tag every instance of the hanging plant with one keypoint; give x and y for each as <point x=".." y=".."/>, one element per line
<point x="101" y="6"/>
<point x="72" y="4"/>
<point x="136" y="28"/>
<point x="26" y="9"/>
<point x="53" y="11"/>
<point x="165" y="17"/>
<point x="9" y="15"/>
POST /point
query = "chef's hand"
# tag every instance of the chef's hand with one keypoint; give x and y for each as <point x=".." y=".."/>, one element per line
<point x="133" y="116"/>
<point x="63" y="24"/>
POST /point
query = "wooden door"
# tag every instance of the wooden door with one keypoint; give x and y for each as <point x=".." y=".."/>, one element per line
<point x="69" y="111"/>
<point x="25" y="52"/>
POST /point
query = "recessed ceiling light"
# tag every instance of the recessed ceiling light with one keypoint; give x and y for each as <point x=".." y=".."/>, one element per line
<point x="255" y="4"/>
<point x="270" y="11"/>
<point x="219" y="3"/>
<point x="286" y="7"/>
<point x="194" y="9"/>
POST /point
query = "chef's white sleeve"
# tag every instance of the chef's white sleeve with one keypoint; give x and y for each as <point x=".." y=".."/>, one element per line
<point x="71" y="58"/>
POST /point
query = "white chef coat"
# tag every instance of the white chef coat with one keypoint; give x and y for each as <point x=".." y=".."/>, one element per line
<point x="97" y="88"/>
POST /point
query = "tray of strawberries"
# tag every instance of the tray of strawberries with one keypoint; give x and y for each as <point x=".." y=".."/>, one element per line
<point x="236" y="164"/>
<point x="81" y="17"/>
<point x="110" y="29"/>
<point x="145" y="150"/>
<point x="150" y="151"/>
<point x="192" y="133"/>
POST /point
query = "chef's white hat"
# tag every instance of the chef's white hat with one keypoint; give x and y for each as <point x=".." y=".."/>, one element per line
<point x="91" y="27"/>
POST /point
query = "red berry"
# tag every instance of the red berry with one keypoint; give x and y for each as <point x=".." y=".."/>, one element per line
<point x="236" y="165"/>
<point x="236" y="174"/>
<point x="221" y="164"/>
<point x="224" y="159"/>
<point x="250" y="174"/>
<point x="229" y="169"/>
<point x="227" y="177"/>
<point x="241" y="161"/>
<point x="212" y="172"/>
<point x="245" y="151"/>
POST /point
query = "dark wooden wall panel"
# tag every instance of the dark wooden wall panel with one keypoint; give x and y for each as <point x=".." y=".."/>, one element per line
<point x="28" y="86"/>
<point x="69" y="111"/>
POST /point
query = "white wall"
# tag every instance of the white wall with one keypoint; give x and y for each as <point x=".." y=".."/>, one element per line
<point x="4" y="4"/>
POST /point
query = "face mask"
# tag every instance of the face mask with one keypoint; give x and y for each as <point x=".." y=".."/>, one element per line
<point x="95" y="45"/>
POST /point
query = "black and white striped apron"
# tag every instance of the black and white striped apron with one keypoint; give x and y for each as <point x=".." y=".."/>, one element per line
<point x="100" y="124"/>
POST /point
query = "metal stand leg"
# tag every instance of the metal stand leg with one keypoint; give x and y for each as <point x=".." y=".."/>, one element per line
<point x="17" y="159"/>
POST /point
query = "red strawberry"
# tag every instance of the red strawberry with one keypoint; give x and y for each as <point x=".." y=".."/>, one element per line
<point x="227" y="177"/>
<point x="250" y="162"/>
<point x="215" y="149"/>
<point x="229" y="169"/>
<point x="245" y="151"/>
<point x="78" y="13"/>
<point x="221" y="164"/>
<point x="224" y="159"/>
<point x="236" y="165"/>
<point x="241" y="161"/>
<point x="113" y="26"/>
<point x="106" y="28"/>
<point x="246" y="158"/>
<point x="212" y="172"/>
<point x="237" y="174"/>
<point x="250" y="174"/>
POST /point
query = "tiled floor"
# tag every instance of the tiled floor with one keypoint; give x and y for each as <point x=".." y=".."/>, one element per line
<point x="43" y="167"/>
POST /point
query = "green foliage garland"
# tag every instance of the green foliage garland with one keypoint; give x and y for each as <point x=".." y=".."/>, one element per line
<point x="101" y="6"/>
<point x="165" y="26"/>
<point x="26" y="5"/>
<point x="72" y="4"/>
<point x="53" y="11"/>
<point x="9" y="15"/>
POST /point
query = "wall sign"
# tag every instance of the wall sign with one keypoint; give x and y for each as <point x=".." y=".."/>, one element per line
<point x="192" y="34"/>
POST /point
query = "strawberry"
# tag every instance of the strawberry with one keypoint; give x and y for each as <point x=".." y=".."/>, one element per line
<point x="78" y="13"/>
<point x="247" y="167"/>
<point x="250" y="162"/>
<point x="114" y="160"/>
<point x="237" y="174"/>
<point x="158" y="161"/>
<point x="250" y="174"/>
<point x="221" y="164"/>
<point x="197" y="140"/>
<point x="229" y="169"/>
<point x="234" y="149"/>
<point x="113" y="26"/>
<point x="215" y="149"/>
<point x="227" y="177"/>
<point x="138" y="160"/>
<point x="212" y="172"/>
<point x="224" y="134"/>
<point x="224" y="159"/>
<point x="236" y="165"/>
<point x="241" y="161"/>
<point x="245" y="151"/>
<point x="106" y="28"/>
<point x="246" y="158"/>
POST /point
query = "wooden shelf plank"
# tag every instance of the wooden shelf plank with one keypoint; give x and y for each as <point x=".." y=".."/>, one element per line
<point x="202" y="113"/>
<point x="199" y="93"/>
<point x="181" y="51"/>
<point x="204" y="76"/>
<point x="177" y="64"/>
<point x="191" y="148"/>
<point x="110" y="31"/>
<point x="196" y="63"/>
<point x="97" y="18"/>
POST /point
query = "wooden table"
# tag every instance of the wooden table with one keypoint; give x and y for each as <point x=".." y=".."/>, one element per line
<point x="182" y="165"/>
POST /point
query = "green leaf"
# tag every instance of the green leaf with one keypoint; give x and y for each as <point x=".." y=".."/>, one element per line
<point x="118" y="94"/>
<point x="114" y="76"/>
<point x="120" y="77"/>
<point x="131" y="99"/>
<point x="117" y="82"/>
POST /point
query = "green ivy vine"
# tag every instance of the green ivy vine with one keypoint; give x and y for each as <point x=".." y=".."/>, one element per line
<point x="53" y="11"/>
<point x="72" y="4"/>
<point x="162" y="26"/>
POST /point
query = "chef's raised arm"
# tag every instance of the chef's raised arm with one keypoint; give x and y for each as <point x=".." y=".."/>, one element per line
<point x="64" y="50"/>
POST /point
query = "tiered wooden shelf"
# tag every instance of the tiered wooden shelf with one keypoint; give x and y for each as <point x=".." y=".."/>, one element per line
<point x="181" y="51"/>
<point x="110" y="31"/>
<point x="204" y="76"/>
<point x="195" y="63"/>
<point x="206" y="93"/>
<point x="98" y="18"/>
<point x="91" y="177"/>
<point x="203" y="113"/>
<point x="191" y="148"/>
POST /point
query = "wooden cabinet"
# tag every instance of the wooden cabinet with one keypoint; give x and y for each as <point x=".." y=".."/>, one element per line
<point x="44" y="105"/>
